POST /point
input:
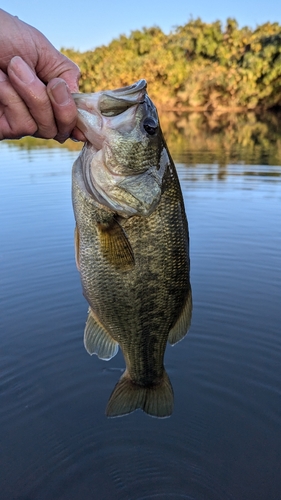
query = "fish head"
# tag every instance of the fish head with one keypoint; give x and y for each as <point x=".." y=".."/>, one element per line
<point x="126" y="145"/>
<point x="124" y="123"/>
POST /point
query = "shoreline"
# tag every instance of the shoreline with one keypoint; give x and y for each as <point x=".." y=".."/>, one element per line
<point x="219" y="109"/>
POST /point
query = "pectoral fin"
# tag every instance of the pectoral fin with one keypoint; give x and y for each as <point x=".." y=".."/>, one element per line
<point x="182" y="325"/>
<point x="115" y="245"/>
<point x="97" y="340"/>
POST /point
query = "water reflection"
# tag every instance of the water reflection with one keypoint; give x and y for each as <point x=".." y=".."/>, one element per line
<point x="207" y="138"/>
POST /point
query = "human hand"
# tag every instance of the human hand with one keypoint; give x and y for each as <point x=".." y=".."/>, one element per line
<point x="36" y="82"/>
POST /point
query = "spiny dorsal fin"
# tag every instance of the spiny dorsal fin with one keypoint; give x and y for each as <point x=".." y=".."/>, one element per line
<point x="157" y="400"/>
<point x="182" y="325"/>
<point x="97" y="340"/>
<point x="115" y="245"/>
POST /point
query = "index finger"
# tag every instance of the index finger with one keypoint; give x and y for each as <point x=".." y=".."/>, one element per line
<point x="15" y="119"/>
<point x="34" y="94"/>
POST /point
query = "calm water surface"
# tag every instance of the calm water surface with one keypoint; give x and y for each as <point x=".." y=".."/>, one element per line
<point x="223" y="440"/>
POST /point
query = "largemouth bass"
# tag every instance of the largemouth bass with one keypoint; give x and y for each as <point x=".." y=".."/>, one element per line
<point x="132" y="245"/>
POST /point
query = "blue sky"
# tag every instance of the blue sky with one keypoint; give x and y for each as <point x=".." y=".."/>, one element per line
<point x="86" y="24"/>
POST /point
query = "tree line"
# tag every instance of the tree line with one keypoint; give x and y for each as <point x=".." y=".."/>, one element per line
<point x="203" y="66"/>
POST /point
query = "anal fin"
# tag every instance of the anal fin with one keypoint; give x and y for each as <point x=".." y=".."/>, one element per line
<point x="115" y="245"/>
<point x="97" y="340"/>
<point x="180" y="329"/>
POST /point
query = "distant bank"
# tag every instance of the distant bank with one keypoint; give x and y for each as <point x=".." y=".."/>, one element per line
<point x="198" y="66"/>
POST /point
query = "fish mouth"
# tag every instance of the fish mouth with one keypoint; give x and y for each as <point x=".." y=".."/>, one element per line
<point x="107" y="103"/>
<point x="115" y="102"/>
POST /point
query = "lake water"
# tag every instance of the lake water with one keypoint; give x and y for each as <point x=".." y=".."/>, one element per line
<point x="223" y="440"/>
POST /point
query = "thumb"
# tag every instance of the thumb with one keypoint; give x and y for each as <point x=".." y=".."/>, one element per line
<point x="70" y="73"/>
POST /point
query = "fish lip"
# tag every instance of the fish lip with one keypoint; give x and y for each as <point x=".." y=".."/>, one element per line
<point x="130" y="89"/>
<point x="127" y="93"/>
<point x="108" y="102"/>
<point x="122" y="97"/>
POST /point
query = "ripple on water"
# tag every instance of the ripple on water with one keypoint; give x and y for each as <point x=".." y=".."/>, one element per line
<point x="223" y="439"/>
<point x="137" y="469"/>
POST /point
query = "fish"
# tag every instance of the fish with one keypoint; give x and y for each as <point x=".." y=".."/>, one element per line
<point x="131" y="244"/>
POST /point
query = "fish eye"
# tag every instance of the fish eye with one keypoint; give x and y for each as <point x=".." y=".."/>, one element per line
<point x="150" y="126"/>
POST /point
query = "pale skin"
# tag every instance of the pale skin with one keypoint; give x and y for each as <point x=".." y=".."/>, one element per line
<point x="36" y="82"/>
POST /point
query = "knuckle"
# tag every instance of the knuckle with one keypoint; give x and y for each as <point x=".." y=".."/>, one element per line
<point x="31" y="128"/>
<point x="50" y="134"/>
<point x="22" y="129"/>
<point x="46" y="133"/>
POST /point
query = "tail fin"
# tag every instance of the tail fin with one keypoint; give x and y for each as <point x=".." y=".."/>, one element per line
<point x="157" y="400"/>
